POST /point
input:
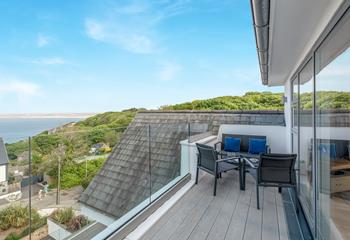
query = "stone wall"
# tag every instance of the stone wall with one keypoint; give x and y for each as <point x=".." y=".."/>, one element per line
<point x="334" y="118"/>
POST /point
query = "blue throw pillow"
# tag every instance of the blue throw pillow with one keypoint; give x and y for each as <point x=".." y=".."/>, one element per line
<point x="257" y="146"/>
<point x="328" y="150"/>
<point x="232" y="144"/>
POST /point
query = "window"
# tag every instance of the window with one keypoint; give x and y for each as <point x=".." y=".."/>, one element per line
<point x="295" y="103"/>
<point x="306" y="140"/>
<point x="295" y="123"/>
<point x="332" y="62"/>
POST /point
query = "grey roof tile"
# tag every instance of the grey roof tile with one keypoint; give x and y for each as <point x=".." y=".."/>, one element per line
<point x="3" y="153"/>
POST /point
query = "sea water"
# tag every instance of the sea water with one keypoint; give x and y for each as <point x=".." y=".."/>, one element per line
<point x="15" y="129"/>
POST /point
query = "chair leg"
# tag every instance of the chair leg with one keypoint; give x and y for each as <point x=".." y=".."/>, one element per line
<point x="257" y="197"/>
<point x="241" y="184"/>
<point x="296" y="200"/>
<point x="215" y="182"/>
<point x="279" y="189"/>
<point x="197" y="175"/>
<point x="243" y="175"/>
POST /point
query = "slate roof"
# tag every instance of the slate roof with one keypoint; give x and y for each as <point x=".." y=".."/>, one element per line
<point x="3" y="153"/>
<point x="124" y="180"/>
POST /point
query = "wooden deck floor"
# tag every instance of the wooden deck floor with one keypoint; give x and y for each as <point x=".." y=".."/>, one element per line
<point x="232" y="214"/>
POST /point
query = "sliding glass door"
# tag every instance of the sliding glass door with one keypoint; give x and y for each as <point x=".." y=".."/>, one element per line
<point x="295" y="123"/>
<point x="306" y="172"/>
<point x="332" y="62"/>
<point x="320" y="110"/>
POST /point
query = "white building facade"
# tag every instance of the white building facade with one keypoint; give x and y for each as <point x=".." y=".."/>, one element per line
<point x="4" y="161"/>
<point x="304" y="46"/>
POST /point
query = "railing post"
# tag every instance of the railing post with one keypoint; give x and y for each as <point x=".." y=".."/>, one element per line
<point x="30" y="186"/>
<point x="149" y="161"/>
<point x="189" y="131"/>
<point x="58" y="181"/>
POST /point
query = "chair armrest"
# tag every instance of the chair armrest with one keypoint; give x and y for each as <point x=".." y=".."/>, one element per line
<point x="221" y="153"/>
<point x="217" y="143"/>
<point x="227" y="159"/>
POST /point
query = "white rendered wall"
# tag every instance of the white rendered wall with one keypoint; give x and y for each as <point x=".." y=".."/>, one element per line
<point x="276" y="135"/>
<point x="94" y="215"/>
<point x="56" y="231"/>
<point x="288" y="115"/>
<point x="3" y="172"/>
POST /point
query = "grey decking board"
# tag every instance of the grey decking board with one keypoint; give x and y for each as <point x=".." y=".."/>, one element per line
<point x="269" y="223"/>
<point x="186" y="227"/>
<point x="254" y="219"/>
<point x="237" y="217"/>
<point x="176" y="215"/>
<point x="218" y="230"/>
<point x="210" y="215"/>
<point x="238" y="220"/>
<point x="171" y="229"/>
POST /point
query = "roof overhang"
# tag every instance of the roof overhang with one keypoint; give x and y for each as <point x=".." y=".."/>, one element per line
<point x="285" y="32"/>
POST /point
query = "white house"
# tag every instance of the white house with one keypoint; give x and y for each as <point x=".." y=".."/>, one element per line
<point x="4" y="161"/>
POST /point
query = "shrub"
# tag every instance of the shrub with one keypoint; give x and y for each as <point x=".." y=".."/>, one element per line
<point x="63" y="215"/>
<point x="12" y="236"/>
<point x="14" y="216"/>
<point x="77" y="223"/>
<point x="74" y="174"/>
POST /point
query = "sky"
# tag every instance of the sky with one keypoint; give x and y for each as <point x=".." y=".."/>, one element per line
<point x="103" y="55"/>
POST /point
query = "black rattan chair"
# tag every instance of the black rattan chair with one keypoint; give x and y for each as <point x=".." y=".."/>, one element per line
<point x="209" y="161"/>
<point x="276" y="170"/>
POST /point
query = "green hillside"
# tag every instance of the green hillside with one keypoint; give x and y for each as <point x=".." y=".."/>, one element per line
<point x="249" y="101"/>
<point x="73" y="143"/>
<point x="265" y="101"/>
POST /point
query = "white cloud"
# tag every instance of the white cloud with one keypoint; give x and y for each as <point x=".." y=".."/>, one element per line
<point x="49" y="61"/>
<point x="19" y="88"/>
<point x="124" y="37"/>
<point x="169" y="71"/>
<point x="43" y="40"/>
<point x="95" y="30"/>
<point x="133" y="26"/>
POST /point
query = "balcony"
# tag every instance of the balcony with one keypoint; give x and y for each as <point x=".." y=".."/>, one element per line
<point x="144" y="187"/>
<point x="232" y="214"/>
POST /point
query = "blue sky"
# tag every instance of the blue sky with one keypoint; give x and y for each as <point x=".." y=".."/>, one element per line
<point x="104" y="55"/>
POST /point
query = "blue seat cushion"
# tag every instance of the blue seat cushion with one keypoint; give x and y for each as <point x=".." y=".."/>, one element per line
<point x="328" y="150"/>
<point x="257" y="146"/>
<point x="232" y="144"/>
